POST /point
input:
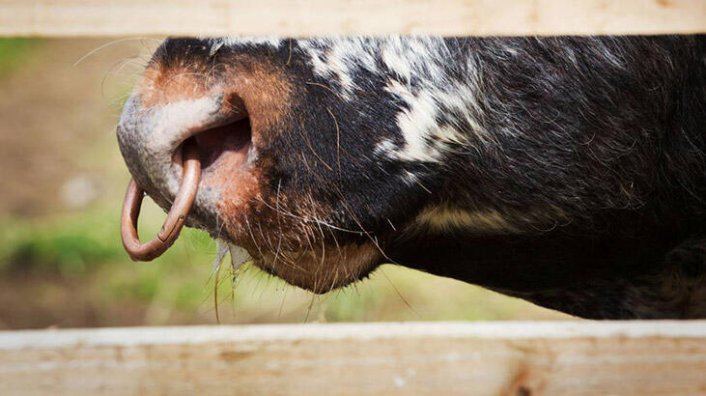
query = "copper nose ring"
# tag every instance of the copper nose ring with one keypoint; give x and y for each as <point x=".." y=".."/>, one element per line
<point x="175" y="218"/>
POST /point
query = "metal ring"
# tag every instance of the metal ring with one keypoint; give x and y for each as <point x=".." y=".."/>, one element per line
<point x="175" y="218"/>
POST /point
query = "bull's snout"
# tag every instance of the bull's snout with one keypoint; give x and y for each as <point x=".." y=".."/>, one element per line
<point x="151" y="139"/>
<point x="217" y="106"/>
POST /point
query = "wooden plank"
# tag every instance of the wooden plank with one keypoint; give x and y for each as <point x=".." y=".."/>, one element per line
<point x="554" y="358"/>
<point x="320" y="17"/>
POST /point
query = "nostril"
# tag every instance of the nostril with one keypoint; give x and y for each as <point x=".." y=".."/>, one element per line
<point x="234" y="138"/>
<point x="221" y="125"/>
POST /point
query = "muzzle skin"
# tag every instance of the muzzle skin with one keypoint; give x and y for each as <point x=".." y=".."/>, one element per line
<point x="569" y="171"/>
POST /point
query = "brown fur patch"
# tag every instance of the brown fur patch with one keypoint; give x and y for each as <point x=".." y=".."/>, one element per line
<point x="323" y="269"/>
<point x="266" y="93"/>
<point x="263" y="220"/>
<point x="162" y="85"/>
<point x="289" y="238"/>
<point x="254" y="85"/>
<point x="489" y="221"/>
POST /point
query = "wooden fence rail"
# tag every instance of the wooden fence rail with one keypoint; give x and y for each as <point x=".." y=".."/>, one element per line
<point x="516" y="358"/>
<point x="316" y="17"/>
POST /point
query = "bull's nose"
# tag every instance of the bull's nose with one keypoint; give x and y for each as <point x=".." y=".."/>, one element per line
<point x="150" y="136"/>
<point x="231" y="107"/>
<point x="176" y="99"/>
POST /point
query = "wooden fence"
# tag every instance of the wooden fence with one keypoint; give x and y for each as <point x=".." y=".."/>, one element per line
<point x="562" y="358"/>
<point x="309" y="17"/>
<point x="493" y="358"/>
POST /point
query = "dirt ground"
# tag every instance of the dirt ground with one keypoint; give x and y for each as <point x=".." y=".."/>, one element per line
<point x="58" y="118"/>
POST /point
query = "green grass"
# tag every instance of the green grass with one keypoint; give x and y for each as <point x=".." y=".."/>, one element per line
<point x="13" y="52"/>
<point x="84" y="251"/>
<point x="64" y="246"/>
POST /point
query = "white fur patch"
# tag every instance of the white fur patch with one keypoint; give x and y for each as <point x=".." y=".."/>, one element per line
<point x="417" y="125"/>
<point x="395" y="59"/>
<point x="385" y="147"/>
<point x="425" y="138"/>
<point x="418" y="71"/>
<point x="410" y="178"/>
<point x="271" y="41"/>
<point x="341" y="58"/>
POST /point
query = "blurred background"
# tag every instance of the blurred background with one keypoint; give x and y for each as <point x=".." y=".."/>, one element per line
<point x="61" y="260"/>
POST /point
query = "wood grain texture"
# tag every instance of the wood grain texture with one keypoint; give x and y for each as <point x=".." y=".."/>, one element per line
<point x="516" y="358"/>
<point x="321" y="17"/>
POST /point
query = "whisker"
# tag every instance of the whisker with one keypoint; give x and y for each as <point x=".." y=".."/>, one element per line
<point x="399" y="294"/>
<point x="109" y="44"/>
<point x="281" y="305"/>
<point x="338" y="142"/>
